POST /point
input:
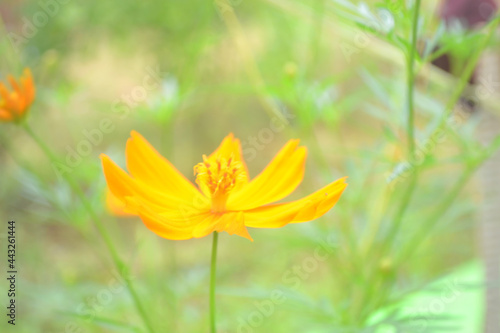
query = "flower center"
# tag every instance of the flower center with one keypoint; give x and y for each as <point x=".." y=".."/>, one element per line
<point x="217" y="177"/>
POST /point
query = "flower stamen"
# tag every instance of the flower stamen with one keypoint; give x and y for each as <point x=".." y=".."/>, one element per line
<point x="217" y="177"/>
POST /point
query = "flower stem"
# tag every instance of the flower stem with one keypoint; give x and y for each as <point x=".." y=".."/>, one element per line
<point x="213" y="274"/>
<point x="469" y="69"/>
<point x="120" y="265"/>
<point x="402" y="208"/>
<point x="425" y="230"/>
<point x="411" y="81"/>
<point x="410" y="107"/>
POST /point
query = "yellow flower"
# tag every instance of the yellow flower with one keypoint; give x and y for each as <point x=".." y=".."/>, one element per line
<point x="14" y="104"/>
<point x="225" y="199"/>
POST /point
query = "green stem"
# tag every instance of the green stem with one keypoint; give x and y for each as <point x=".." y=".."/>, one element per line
<point x="471" y="66"/>
<point x="410" y="105"/>
<point x="120" y="266"/>
<point x="410" y="108"/>
<point x="318" y="14"/>
<point x="236" y="31"/>
<point x="463" y="81"/>
<point x="461" y="85"/>
<point x="400" y="213"/>
<point x="442" y="208"/>
<point x="213" y="268"/>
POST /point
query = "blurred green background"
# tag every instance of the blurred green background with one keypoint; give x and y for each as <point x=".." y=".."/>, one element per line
<point x="186" y="73"/>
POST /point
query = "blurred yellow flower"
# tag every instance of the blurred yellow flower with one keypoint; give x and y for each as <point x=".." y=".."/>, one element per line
<point x="225" y="199"/>
<point x="15" y="103"/>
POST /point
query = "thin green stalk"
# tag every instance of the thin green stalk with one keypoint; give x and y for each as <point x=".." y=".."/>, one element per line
<point x="400" y="213"/>
<point x="120" y="265"/>
<point x="318" y="15"/>
<point x="373" y="284"/>
<point x="74" y="186"/>
<point x="470" y="67"/>
<point x="410" y="105"/>
<point x="370" y="235"/>
<point x="25" y="166"/>
<point x="442" y="208"/>
<point x="461" y="85"/>
<point x="410" y="108"/>
<point x="466" y="75"/>
<point x="233" y="24"/>
<point x="213" y="273"/>
<point x="435" y="55"/>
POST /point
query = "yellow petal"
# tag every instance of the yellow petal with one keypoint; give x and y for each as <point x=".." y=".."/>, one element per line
<point x="232" y="223"/>
<point x="280" y="178"/>
<point x="207" y="226"/>
<point x="147" y="165"/>
<point x="5" y="96"/>
<point x="28" y="86"/>
<point x="14" y="84"/>
<point x="115" y="206"/>
<point x="305" y="209"/>
<point x="5" y="115"/>
<point x="170" y="228"/>
<point x="123" y="186"/>
<point x="235" y="225"/>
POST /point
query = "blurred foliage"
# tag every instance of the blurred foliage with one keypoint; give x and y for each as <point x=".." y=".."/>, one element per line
<point x="335" y="68"/>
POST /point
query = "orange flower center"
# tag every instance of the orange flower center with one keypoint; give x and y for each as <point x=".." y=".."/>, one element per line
<point x="217" y="177"/>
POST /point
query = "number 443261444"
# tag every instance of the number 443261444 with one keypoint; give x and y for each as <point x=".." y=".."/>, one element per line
<point x="12" y="244"/>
